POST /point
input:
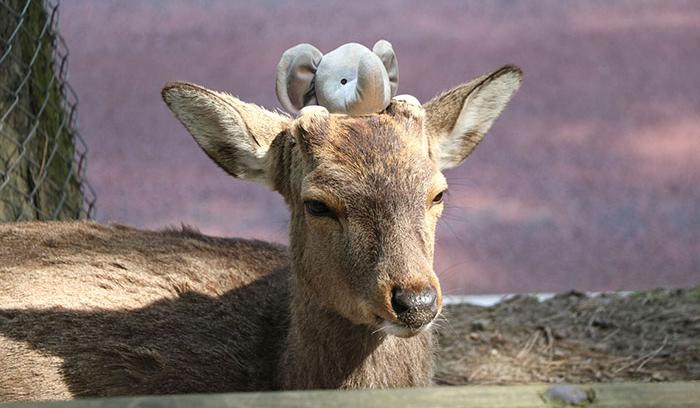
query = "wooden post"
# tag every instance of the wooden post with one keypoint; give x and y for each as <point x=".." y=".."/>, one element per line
<point x="39" y="178"/>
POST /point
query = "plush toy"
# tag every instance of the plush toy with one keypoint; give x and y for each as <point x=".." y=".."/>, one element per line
<point x="351" y="79"/>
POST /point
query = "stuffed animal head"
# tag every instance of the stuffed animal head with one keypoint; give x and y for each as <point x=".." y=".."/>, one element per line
<point x="351" y="79"/>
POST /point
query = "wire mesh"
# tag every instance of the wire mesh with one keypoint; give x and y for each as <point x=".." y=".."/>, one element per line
<point x="42" y="156"/>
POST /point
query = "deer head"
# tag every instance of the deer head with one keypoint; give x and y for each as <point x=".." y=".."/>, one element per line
<point x="365" y="192"/>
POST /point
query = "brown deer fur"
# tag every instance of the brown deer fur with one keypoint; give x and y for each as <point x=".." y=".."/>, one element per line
<point x="95" y="310"/>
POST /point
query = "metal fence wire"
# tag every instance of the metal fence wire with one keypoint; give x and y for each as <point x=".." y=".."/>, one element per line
<point x="42" y="156"/>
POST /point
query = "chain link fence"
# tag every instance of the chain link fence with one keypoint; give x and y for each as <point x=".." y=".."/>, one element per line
<point x="42" y="156"/>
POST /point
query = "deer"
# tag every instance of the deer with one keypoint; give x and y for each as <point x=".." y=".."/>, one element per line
<point x="91" y="310"/>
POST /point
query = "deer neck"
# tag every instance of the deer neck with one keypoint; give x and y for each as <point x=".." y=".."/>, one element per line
<point x="326" y="350"/>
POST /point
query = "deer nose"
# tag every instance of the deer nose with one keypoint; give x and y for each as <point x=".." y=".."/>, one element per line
<point x="414" y="308"/>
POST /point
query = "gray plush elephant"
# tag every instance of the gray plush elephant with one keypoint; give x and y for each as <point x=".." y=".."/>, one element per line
<point x="350" y="79"/>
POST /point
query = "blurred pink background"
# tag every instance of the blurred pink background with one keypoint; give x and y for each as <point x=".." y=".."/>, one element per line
<point x="588" y="181"/>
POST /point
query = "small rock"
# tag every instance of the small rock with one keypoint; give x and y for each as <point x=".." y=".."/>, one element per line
<point x="480" y="325"/>
<point x="569" y="395"/>
<point x="603" y="324"/>
<point x="559" y="334"/>
<point x="474" y="336"/>
<point x="572" y="294"/>
<point x="497" y="339"/>
<point x="657" y="376"/>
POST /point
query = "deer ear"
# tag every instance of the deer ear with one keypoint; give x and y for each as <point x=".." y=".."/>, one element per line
<point x="458" y="119"/>
<point x="235" y="134"/>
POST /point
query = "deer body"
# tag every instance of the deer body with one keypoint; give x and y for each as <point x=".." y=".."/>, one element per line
<point x="92" y="310"/>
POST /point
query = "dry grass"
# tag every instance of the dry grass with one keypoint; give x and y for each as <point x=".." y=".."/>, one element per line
<point x="648" y="336"/>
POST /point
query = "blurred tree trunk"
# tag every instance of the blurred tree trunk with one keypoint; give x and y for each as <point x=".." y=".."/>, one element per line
<point x="38" y="175"/>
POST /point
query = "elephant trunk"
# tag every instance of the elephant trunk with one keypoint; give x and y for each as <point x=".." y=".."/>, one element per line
<point x="372" y="91"/>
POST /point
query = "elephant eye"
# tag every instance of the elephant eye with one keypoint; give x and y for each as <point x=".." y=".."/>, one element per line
<point x="343" y="81"/>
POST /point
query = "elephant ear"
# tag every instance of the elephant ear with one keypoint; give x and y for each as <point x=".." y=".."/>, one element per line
<point x="385" y="52"/>
<point x="295" y="77"/>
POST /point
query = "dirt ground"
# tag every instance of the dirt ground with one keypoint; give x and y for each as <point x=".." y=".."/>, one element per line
<point x="646" y="336"/>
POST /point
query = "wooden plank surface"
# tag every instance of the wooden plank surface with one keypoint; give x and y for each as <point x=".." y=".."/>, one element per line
<point x="632" y="395"/>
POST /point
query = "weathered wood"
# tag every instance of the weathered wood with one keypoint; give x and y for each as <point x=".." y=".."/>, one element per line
<point x="632" y="395"/>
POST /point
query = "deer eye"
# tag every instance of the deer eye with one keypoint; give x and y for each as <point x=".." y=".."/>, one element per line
<point x="438" y="198"/>
<point x="318" y="209"/>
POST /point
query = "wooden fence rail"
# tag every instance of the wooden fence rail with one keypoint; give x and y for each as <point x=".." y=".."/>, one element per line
<point x="632" y="395"/>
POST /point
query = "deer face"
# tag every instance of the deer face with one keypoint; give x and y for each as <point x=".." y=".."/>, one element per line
<point x="365" y="192"/>
<point x="369" y="197"/>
